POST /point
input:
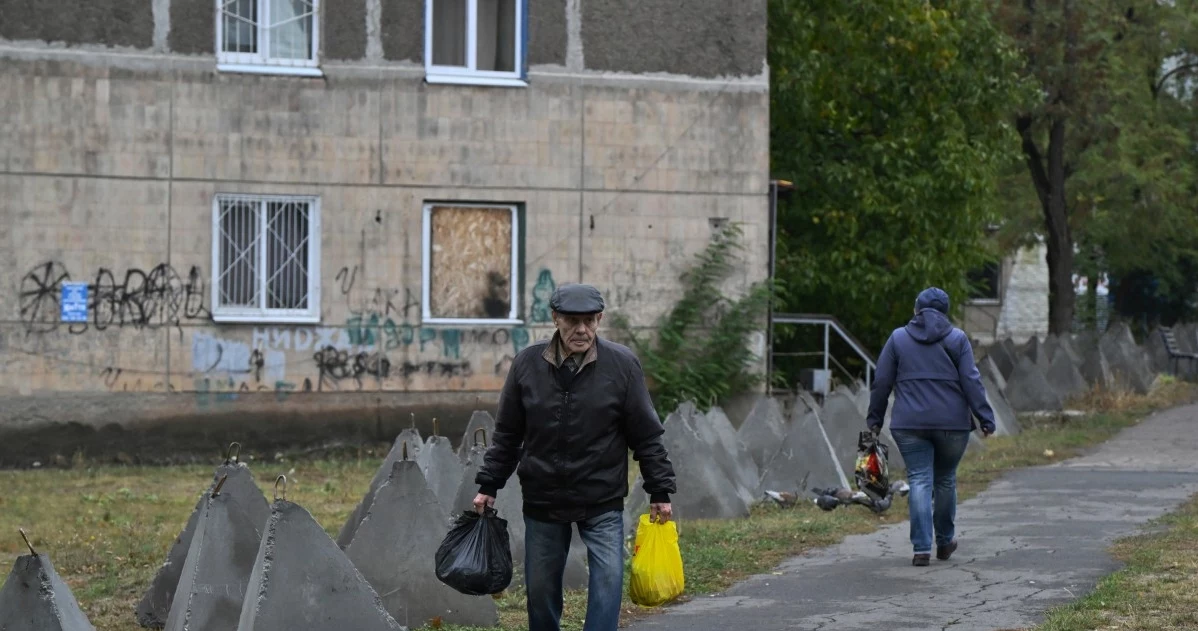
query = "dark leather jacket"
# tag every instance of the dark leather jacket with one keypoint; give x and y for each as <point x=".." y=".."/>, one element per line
<point x="569" y="433"/>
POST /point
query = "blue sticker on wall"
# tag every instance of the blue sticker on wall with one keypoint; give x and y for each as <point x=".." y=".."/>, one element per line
<point x="74" y="302"/>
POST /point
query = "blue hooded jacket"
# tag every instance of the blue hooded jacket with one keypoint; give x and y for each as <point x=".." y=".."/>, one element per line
<point x="930" y="367"/>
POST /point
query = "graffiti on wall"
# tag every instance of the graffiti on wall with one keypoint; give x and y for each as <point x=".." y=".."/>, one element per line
<point x="541" y="293"/>
<point x="135" y="297"/>
<point x="375" y="344"/>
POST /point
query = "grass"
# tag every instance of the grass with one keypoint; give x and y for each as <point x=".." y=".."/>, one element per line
<point x="107" y="528"/>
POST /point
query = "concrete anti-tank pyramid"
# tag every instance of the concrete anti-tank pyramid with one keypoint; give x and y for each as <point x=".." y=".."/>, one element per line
<point x="442" y="469"/>
<point x="302" y="580"/>
<point x="704" y="490"/>
<point x="717" y="431"/>
<point x="35" y="598"/>
<point x="510" y="506"/>
<point x="223" y="548"/>
<point x="763" y="431"/>
<point x="394" y="547"/>
<point x="155" y="605"/>
<point x="481" y="419"/>
<point x="806" y="459"/>
<point x="467" y="488"/>
<point x="843" y="422"/>
<point x="407" y="446"/>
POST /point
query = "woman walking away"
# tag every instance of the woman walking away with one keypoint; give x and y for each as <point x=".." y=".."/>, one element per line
<point x="929" y="365"/>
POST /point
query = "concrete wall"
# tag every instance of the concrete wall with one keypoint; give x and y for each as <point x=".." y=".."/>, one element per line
<point x="113" y="157"/>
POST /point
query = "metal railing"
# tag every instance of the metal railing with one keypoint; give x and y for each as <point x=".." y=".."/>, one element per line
<point x="830" y="324"/>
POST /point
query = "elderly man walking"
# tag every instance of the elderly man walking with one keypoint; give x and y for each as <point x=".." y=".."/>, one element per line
<point x="569" y="412"/>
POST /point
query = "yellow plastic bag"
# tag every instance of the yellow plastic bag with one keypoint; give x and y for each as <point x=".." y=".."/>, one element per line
<point x="657" y="576"/>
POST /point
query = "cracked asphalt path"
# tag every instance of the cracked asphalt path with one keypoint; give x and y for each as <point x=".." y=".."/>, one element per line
<point x="1035" y="539"/>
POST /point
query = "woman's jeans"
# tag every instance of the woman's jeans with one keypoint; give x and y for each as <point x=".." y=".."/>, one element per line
<point x="931" y="457"/>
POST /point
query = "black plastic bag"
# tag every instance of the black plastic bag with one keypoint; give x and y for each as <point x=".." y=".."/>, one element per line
<point x="476" y="556"/>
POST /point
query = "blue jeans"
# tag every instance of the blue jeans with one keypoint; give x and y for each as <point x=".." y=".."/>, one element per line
<point x="546" y="547"/>
<point x="932" y="457"/>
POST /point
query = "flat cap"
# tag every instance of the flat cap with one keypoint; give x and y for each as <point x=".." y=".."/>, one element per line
<point x="576" y="299"/>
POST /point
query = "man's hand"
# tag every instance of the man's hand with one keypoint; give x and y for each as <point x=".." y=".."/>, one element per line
<point x="660" y="513"/>
<point x="483" y="502"/>
<point x="876" y="429"/>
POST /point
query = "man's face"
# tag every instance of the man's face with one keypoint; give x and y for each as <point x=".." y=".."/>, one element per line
<point x="577" y="331"/>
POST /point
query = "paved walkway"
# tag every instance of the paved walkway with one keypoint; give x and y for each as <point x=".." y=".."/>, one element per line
<point x="1035" y="539"/>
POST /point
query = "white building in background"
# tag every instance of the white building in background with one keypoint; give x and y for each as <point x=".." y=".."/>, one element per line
<point x="1016" y="305"/>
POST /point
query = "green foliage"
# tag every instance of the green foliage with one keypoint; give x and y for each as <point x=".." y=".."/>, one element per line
<point x="1125" y="134"/>
<point x="893" y="120"/>
<point x="701" y="351"/>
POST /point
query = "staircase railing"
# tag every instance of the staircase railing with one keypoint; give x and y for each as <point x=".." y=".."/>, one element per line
<point x="830" y="324"/>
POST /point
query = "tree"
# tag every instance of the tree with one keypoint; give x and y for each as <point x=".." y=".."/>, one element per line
<point x="892" y="118"/>
<point x="1106" y="147"/>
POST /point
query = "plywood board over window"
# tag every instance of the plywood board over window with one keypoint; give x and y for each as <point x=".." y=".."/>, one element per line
<point x="470" y="263"/>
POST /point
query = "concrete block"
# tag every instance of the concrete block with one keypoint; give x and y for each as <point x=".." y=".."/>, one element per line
<point x="1063" y="376"/>
<point x="393" y="549"/>
<point x="510" y="506"/>
<point x="155" y="605"/>
<point x="1050" y="346"/>
<point x="442" y="468"/>
<point x="763" y="431"/>
<point x="716" y="430"/>
<point x="1006" y="422"/>
<point x="861" y="398"/>
<point x="843" y="423"/>
<point x="481" y="419"/>
<point x="576" y="576"/>
<point x="990" y="370"/>
<point x="636" y="505"/>
<point x="407" y="446"/>
<point x="1084" y="340"/>
<point x="1003" y="357"/>
<point x="1066" y="345"/>
<point x="1062" y="344"/>
<point x="1028" y="389"/>
<point x="219" y="563"/>
<point x="35" y="598"/>
<point x="509" y="503"/>
<point x="1158" y="353"/>
<point x="467" y="488"/>
<point x="806" y="459"/>
<point x="302" y="580"/>
<point x="1129" y="364"/>
<point x="704" y="491"/>
<point x="1097" y="370"/>
<point x="1187" y="337"/>
<point x="1035" y="351"/>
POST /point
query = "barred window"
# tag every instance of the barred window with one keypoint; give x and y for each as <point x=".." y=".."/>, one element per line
<point x="266" y="258"/>
<point x="267" y="36"/>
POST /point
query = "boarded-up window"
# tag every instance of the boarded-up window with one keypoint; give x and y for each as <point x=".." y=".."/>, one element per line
<point x="470" y="262"/>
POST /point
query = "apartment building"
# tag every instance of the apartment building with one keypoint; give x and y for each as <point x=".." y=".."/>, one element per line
<point x="293" y="219"/>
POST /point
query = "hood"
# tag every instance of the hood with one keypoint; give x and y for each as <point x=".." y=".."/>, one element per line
<point x="929" y="326"/>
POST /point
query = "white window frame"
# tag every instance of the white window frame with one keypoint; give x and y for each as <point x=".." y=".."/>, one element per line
<point x="427" y="259"/>
<point x="470" y="75"/>
<point x="262" y="314"/>
<point x="259" y="63"/>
